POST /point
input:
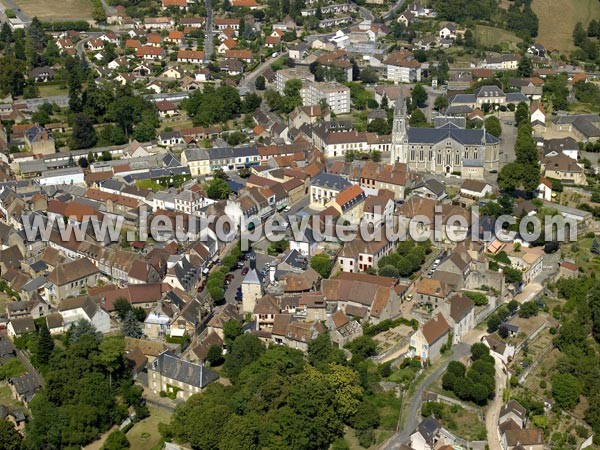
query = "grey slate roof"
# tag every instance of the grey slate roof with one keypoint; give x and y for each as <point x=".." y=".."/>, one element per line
<point x="435" y="135"/>
<point x="328" y="181"/>
<point x="516" y="97"/>
<point x="171" y="366"/>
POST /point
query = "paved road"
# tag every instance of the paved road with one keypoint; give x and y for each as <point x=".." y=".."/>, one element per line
<point x="10" y="4"/>
<point x="108" y="10"/>
<point x="412" y="417"/>
<point x="208" y="40"/>
<point x="493" y="412"/>
<point x="247" y="84"/>
<point x="367" y="15"/>
<point x="391" y="12"/>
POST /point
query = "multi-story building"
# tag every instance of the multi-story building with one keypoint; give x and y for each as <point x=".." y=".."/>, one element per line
<point x="285" y="75"/>
<point x="402" y="67"/>
<point x="336" y="95"/>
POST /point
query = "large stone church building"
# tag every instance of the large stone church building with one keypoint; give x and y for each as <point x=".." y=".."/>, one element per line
<point x="448" y="148"/>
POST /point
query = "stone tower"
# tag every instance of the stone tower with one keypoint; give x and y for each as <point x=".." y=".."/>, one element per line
<point x="399" y="138"/>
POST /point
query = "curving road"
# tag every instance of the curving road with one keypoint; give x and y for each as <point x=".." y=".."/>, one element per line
<point x="412" y="417"/>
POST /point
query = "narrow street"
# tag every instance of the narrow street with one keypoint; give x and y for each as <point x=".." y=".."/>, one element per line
<point x="493" y="412"/>
<point x="412" y="415"/>
<point x="208" y="40"/>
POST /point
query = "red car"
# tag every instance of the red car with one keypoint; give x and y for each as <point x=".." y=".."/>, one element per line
<point x="245" y="270"/>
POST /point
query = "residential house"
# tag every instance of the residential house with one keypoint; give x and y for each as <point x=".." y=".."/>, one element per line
<point x="84" y="308"/>
<point x="343" y="329"/>
<point x="20" y="326"/>
<point x="459" y="312"/>
<point x="368" y="297"/>
<point x="324" y="188"/>
<point x="70" y="279"/>
<point x="169" y="373"/>
<point x="428" y="340"/>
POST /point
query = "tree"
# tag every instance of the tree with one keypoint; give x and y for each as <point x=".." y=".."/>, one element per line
<point x="131" y="327"/>
<point x="419" y="96"/>
<point x="321" y="352"/>
<point x="417" y="119"/>
<point x="521" y="113"/>
<point x="217" y="189"/>
<point x="369" y="75"/>
<point x="493" y="323"/>
<point x="84" y="135"/>
<point x="12" y="80"/>
<point x="122" y="307"/>
<point x="441" y="103"/>
<point x="510" y="177"/>
<point x="579" y="34"/>
<point x="528" y="309"/>
<point x="244" y="350"/>
<point x="260" y="83"/>
<point x="525" y="67"/>
<point x="595" y="246"/>
<point x="232" y="329"/>
<point x="566" y="390"/>
<point x="45" y="345"/>
<point x="513" y="306"/>
<point x="321" y="264"/>
<point x="116" y="441"/>
<point x="379" y="126"/>
<point x="80" y="330"/>
<point x="493" y="126"/>
<point x="214" y="355"/>
<point x="513" y="276"/>
<point x="10" y="439"/>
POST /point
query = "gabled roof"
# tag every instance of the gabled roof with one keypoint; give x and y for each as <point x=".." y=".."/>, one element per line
<point x="175" y="368"/>
<point x="435" y="329"/>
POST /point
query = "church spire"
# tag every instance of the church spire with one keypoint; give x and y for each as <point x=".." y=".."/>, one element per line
<point x="400" y="109"/>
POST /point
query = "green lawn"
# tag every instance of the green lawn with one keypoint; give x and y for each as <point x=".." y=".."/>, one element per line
<point x="6" y="397"/>
<point x="51" y="90"/>
<point x="489" y="36"/>
<point x="144" y="435"/>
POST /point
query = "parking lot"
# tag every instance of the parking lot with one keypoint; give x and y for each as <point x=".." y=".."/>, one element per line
<point x="261" y="260"/>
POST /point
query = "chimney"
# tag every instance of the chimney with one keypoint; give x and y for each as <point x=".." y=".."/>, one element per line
<point x="252" y="261"/>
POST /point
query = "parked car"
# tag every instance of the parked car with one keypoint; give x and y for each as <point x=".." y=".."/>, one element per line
<point x="245" y="270"/>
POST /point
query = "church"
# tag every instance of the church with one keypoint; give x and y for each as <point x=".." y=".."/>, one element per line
<point x="448" y="148"/>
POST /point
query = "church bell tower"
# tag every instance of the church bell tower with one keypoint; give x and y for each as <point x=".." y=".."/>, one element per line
<point x="399" y="144"/>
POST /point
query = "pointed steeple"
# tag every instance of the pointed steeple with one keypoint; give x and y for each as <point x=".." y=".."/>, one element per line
<point x="400" y="109"/>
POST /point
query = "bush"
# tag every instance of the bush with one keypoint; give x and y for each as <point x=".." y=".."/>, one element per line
<point x="366" y="438"/>
<point x="479" y="298"/>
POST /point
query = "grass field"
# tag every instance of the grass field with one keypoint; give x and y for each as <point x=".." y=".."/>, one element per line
<point x="50" y="90"/>
<point x="57" y="10"/>
<point x="144" y="435"/>
<point x="557" y="21"/>
<point x="489" y="36"/>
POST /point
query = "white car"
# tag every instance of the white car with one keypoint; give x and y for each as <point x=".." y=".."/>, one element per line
<point x="287" y="209"/>
<point x="275" y="55"/>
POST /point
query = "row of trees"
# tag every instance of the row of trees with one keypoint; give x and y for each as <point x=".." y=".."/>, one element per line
<point x="524" y="172"/>
<point x="477" y="383"/>
<point x="406" y="260"/>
